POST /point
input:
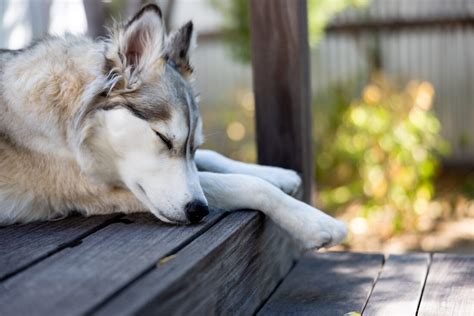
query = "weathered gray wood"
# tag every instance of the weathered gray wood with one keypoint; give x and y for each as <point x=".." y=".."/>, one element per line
<point x="326" y="284"/>
<point x="280" y="60"/>
<point x="399" y="286"/>
<point x="449" y="288"/>
<point x="22" y="245"/>
<point x="228" y="270"/>
<point x="77" y="278"/>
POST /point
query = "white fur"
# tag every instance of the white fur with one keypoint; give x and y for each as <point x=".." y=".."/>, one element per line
<point x="310" y="226"/>
<point x="55" y="159"/>
<point x="286" y="180"/>
<point x="136" y="158"/>
<point x="150" y="32"/>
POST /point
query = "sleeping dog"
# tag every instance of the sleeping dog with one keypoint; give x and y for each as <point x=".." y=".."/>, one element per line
<point x="113" y="125"/>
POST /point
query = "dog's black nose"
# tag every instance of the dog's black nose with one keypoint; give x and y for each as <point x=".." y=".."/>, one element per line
<point x="196" y="211"/>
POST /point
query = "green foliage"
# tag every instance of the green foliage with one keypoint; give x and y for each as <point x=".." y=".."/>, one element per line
<point x="468" y="187"/>
<point x="236" y="26"/>
<point x="237" y="21"/>
<point x="383" y="154"/>
<point x="328" y="107"/>
<point x="321" y="11"/>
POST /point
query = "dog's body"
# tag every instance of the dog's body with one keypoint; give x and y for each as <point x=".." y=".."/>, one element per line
<point x="41" y="88"/>
<point x="113" y="126"/>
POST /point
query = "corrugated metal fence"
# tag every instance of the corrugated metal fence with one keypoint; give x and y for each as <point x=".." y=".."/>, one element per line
<point x="430" y="40"/>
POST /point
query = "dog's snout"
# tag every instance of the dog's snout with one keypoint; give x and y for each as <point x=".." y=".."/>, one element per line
<point x="196" y="211"/>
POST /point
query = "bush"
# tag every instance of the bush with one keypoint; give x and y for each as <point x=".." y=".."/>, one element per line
<point x="383" y="155"/>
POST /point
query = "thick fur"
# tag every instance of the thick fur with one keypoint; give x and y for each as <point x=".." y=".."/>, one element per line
<point x="113" y="126"/>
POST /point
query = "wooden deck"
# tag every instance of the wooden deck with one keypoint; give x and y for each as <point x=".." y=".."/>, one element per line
<point x="120" y="265"/>
<point x="236" y="263"/>
<point x="370" y="284"/>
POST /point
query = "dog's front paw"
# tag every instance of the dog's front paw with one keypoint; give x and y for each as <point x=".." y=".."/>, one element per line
<point x="286" y="180"/>
<point x="328" y="234"/>
<point x="315" y="229"/>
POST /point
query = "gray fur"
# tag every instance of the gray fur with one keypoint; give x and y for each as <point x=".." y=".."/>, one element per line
<point x="82" y="127"/>
<point x="177" y="49"/>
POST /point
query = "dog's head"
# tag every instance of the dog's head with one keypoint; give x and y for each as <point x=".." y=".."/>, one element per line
<point x="142" y="130"/>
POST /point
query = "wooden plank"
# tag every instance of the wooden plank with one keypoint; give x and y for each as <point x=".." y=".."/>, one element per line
<point x="326" y="284"/>
<point x="398" y="24"/>
<point x="449" y="288"/>
<point x="399" y="286"/>
<point x="23" y="245"/>
<point x="231" y="269"/>
<point x="280" y="60"/>
<point x="77" y="278"/>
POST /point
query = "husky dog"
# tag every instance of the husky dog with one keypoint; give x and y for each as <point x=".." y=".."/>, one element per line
<point x="113" y="126"/>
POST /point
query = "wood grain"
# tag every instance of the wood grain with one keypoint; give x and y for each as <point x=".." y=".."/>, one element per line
<point x="73" y="280"/>
<point x="280" y="61"/>
<point x="22" y="245"/>
<point x="399" y="286"/>
<point x="326" y="284"/>
<point x="449" y="288"/>
<point x="229" y="270"/>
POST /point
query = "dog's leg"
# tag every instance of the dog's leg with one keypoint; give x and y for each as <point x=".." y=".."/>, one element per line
<point x="287" y="180"/>
<point x="24" y="209"/>
<point x="110" y="201"/>
<point x="312" y="227"/>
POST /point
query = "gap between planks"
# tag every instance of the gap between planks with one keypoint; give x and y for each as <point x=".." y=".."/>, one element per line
<point x="308" y="286"/>
<point x="72" y="243"/>
<point x="430" y="260"/>
<point x="450" y="286"/>
<point x="384" y="259"/>
<point x="142" y="233"/>
<point x="228" y="270"/>
<point x="170" y="253"/>
<point x="407" y="272"/>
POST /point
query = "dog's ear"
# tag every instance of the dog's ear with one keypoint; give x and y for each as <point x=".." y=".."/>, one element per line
<point x="177" y="49"/>
<point x="134" y="47"/>
<point x="143" y="36"/>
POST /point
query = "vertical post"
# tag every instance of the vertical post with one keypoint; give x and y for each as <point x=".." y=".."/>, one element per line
<point x="280" y="60"/>
<point x="95" y="15"/>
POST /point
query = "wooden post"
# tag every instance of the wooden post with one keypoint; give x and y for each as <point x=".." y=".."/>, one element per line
<point x="280" y="59"/>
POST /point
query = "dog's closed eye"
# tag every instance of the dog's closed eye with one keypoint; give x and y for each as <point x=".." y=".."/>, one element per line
<point x="165" y="140"/>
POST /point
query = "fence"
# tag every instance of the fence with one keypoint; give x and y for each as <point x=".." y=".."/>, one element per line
<point x="424" y="40"/>
<point x="430" y="40"/>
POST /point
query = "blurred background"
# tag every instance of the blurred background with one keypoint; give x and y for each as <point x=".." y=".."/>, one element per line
<point x="392" y="86"/>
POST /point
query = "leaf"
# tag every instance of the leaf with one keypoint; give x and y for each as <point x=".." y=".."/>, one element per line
<point x="165" y="260"/>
